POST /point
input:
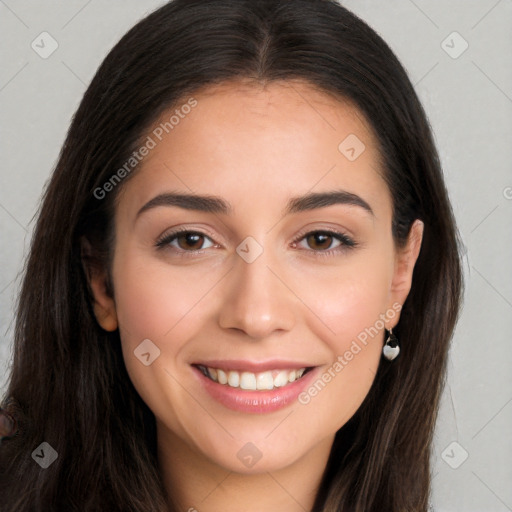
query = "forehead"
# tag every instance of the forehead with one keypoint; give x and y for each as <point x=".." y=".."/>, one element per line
<point x="291" y="110"/>
<point x="246" y="141"/>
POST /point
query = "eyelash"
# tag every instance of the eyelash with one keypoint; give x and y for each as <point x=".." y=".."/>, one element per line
<point x="347" y="243"/>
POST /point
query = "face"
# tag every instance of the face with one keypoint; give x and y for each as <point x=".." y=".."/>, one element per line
<point x="282" y="275"/>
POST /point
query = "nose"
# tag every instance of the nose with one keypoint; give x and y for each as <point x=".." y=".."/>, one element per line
<point x="258" y="299"/>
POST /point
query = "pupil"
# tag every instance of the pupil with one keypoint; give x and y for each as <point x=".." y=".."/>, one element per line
<point x="192" y="239"/>
<point x="320" y="239"/>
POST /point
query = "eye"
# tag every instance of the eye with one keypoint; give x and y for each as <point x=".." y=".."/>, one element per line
<point x="322" y="242"/>
<point x="326" y="241"/>
<point x="184" y="240"/>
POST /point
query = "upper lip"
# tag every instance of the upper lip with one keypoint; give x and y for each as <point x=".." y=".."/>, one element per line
<point x="253" y="366"/>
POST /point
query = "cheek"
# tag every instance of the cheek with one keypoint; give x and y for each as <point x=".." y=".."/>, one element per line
<point x="348" y="299"/>
<point x="164" y="305"/>
<point x="351" y="304"/>
<point x="153" y="300"/>
<point x="157" y="304"/>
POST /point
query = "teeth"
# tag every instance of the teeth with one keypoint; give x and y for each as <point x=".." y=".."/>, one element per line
<point x="281" y="379"/>
<point x="247" y="380"/>
<point x="264" y="381"/>
<point x="254" y="381"/>
<point x="234" y="379"/>
<point x="221" y="377"/>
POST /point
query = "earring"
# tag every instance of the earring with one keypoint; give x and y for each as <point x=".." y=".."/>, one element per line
<point x="391" y="348"/>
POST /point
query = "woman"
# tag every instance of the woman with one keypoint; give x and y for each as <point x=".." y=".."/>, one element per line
<point x="244" y="277"/>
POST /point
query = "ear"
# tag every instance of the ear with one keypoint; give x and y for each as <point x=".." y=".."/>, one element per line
<point x="97" y="278"/>
<point x="405" y="259"/>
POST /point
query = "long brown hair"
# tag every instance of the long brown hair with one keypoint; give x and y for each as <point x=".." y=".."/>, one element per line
<point x="68" y="384"/>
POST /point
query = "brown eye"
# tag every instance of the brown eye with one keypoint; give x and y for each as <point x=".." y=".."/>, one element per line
<point x="320" y="240"/>
<point x="190" y="241"/>
<point x="185" y="241"/>
<point x="325" y="242"/>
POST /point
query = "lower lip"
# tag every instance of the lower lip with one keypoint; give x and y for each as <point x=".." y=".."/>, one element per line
<point x="256" y="402"/>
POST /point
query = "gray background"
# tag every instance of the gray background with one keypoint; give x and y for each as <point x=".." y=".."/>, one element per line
<point x="468" y="98"/>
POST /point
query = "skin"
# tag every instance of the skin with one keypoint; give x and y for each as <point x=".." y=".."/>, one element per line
<point x="256" y="147"/>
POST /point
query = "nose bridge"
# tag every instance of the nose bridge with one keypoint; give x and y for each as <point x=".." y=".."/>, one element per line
<point x="257" y="302"/>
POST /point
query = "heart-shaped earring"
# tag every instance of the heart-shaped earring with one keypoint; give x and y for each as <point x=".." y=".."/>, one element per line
<point x="391" y="348"/>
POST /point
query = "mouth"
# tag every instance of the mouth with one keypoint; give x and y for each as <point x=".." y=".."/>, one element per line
<point x="267" y="380"/>
<point x="254" y="387"/>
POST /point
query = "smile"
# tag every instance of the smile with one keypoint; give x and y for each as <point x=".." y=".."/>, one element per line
<point x="250" y="381"/>
<point x="251" y="387"/>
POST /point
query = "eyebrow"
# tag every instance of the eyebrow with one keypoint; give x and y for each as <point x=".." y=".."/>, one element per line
<point x="214" y="204"/>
